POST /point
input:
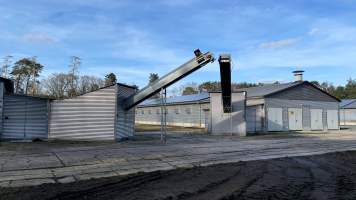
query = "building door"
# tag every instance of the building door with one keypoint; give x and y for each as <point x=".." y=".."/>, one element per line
<point x="295" y="118"/>
<point x="332" y="119"/>
<point x="275" y="119"/>
<point x="253" y="119"/>
<point x="316" y="117"/>
<point x="24" y="117"/>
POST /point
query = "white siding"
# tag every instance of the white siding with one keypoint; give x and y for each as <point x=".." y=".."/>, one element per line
<point x="87" y="117"/>
<point x="196" y="117"/>
<point x="348" y="116"/>
<point x="306" y="106"/>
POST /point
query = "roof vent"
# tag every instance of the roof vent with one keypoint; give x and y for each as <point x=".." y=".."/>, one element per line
<point x="298" y="75"/>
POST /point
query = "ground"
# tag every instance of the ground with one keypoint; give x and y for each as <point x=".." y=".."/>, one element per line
<point x="23" y="164"/>
<point x="326" y="176"/>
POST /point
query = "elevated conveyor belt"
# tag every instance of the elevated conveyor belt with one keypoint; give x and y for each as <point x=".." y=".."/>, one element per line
<point x="192" y="65"/>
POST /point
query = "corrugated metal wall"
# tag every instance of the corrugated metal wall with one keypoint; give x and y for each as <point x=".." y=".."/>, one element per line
<point x="305" y="105"/>
<point x="228" y="123"/>
<point x="24" y="117"/>
<point x="125" y="119"/>
<point x="1" y="105"/>
<point x="87" y="117"/>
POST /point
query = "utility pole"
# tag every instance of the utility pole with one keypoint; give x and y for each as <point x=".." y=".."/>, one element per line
<point x="163" y="115"/>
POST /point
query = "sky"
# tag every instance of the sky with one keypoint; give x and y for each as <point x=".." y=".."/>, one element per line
<point x="267" y="39"/>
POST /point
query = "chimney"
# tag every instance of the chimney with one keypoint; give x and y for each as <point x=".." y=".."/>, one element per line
<point x="298" y="75"/>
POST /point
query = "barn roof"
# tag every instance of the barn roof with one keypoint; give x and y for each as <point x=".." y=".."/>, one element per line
<point x="261" y="91"/>
<point x="193" y="98"/>
<point x="348" y="103"/>
<point x="266" y="90"/>
<point x="252" y="92"/>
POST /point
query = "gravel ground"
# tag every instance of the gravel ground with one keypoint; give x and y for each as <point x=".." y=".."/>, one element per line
<point x="327" y="176"/>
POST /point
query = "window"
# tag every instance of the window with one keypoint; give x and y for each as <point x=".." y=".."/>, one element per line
<point x="176" y="110"/>
<point x="188" y="110"/>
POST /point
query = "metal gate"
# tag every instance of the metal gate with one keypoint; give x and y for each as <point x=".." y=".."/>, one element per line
<point x="24" y="117"/>
<point x="332" y="119"/>
<point x="316" y="117"/>
<point x="275" y="120"/>
<point x="253" y="119"/>
<point x="295" y="118"/>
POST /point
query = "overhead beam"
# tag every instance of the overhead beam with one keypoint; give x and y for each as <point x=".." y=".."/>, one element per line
<point x="187" y="68"/>
<point x="225" y="77"/>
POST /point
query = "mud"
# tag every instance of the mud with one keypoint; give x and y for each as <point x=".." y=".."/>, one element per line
<point x="328" y="176"/>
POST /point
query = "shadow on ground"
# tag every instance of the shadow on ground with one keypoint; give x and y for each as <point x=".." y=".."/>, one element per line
<point x="328" y="176"/>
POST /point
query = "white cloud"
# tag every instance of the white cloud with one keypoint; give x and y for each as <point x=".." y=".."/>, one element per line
<point x="39" y="37"/>
<point x="279" y="43"/>
<point x="313" y="31"/>
<point x="136" y="45"/>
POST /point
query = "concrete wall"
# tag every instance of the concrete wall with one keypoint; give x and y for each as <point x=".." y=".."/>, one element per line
<point x="87" y="117"/>
<point x="228" y="123"/>
<point x="305" y="105"/>
<point x="185" y="115"/>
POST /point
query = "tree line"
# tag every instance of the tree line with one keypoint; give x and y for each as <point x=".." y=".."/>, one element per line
<point x="26" y="72"/>
<point x="342" y="92"/>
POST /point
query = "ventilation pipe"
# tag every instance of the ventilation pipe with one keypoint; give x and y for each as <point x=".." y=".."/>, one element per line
<point x="298" y="75"/>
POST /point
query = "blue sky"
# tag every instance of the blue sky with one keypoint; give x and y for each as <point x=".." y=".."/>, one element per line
<point x="267" y="39"/>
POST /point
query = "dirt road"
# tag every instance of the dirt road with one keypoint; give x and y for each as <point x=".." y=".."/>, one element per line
<point x="328" y="176"/>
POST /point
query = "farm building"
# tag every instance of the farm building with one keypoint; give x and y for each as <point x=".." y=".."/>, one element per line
<point x="348" y="112"/>
<point x="293" y="106"/>
<point x="92" y="116"/>
<point x="189" y="110"/>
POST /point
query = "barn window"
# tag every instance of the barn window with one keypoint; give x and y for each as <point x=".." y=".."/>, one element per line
<point x="188" y="110"/>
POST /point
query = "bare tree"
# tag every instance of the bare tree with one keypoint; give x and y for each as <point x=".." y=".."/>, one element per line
<point x="89" y="84"/>
<point x="73" y="75"/>
<point x="7" y="60"/>
<point x="56" y="85"/>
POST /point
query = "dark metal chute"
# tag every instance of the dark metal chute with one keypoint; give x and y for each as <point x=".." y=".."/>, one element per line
<point x="225" y="76"/>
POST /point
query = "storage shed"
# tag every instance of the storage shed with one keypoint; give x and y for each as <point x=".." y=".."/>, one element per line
<point x="348" y="112"/>
<point x="22" y="117"/>
<point x="93" y="116"/>
<point x="186" y="111"/>
<point x="294" y="106"/>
